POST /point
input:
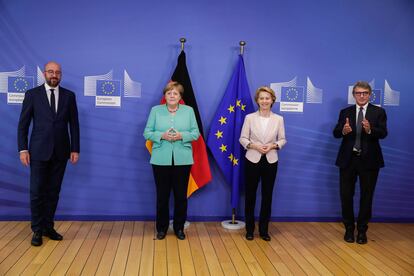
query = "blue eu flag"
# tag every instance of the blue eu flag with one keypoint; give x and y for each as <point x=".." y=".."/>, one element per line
<point x="108" y="88"/>
<point x="19" y="84"/>
<point x="375" y="97"/>
<point x="223" y="138"/>
<point x="292" y="94"/>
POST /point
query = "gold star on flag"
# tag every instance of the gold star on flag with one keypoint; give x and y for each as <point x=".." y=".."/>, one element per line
<point x="223" y="120"/>
<point x="219" y="134"/>
<point x="235" y="161"/>
<point x="238" y="103"/>
<point x="243" y="107"/>
<point x="231" y="156"/>
<point x="231" y="108"/>
<point x="223" y="148"/>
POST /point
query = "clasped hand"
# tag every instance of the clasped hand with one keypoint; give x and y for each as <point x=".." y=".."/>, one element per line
<point x="171" y="136"/>
<point x="263" y="149"/>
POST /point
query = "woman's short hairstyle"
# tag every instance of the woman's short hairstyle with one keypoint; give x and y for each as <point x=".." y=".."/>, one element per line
<point x="174" y="85"/>
<point x="267" y="90"/>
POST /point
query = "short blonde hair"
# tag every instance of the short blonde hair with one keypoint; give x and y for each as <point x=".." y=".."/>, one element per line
<point x="267" y="90"/>
<point x="174" y="85"/>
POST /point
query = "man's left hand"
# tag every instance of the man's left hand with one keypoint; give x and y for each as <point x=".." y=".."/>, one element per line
<point x="366" y="125"/>
<point x="74" y="157"/>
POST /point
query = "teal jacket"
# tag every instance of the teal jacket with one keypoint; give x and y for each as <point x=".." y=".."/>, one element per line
<point x="159" y="121"/>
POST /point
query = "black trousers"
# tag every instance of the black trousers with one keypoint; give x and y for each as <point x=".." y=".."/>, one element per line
<point x="45" y="183"/>
<point x="367" y="181"/>
<point x="266" y="173"/>
<point x="175" y="178"/>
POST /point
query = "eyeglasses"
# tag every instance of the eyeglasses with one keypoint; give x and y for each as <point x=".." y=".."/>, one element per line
<point x="363" y="93"/>
<point x="51" y="72"/>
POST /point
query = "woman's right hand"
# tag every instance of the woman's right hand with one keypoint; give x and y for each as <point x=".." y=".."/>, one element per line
<point x="263" y="149"/>
<point x="166" y="136"/>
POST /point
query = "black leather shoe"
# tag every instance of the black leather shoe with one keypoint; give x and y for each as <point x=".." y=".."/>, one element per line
<point x="349" y="235"/>
<point x="37" y="239"/>
<point x="161" y="235"/>
<point x="265" y="237"/>
<point x="362" y="238"/>
<point x="249" y="236"/>
<point x="52" y="234"/>
<point x="180" y="234"/>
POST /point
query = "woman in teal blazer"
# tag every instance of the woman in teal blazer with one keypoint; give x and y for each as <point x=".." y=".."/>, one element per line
<point x="171" y="127"/>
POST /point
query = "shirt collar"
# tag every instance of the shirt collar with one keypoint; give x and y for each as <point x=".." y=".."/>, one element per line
<point x="364" y="107"/>
<point x="48" y="87"/>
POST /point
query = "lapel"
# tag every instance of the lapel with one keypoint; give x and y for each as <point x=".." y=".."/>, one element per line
<point x="256" y="126"/>
<point x="352" y="118"/>
<point x="44" y="99"/>
<point x="368" y="112"/>
<point x="62" y="100"/>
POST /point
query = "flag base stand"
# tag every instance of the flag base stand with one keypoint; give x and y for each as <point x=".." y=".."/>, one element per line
<point x="233" y="225"/>
<point x="186" y="225"/>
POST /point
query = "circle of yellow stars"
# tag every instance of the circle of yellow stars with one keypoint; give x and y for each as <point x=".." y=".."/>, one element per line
<point x="109" y="85"/>
<point x="292" y="94"/>
<point x="373" y="97"/>
<point x="219" y="134"/>
<point x="18" y="86"/>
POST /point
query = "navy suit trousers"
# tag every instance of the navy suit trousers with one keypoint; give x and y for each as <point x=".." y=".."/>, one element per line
<point x="45" y="183"/>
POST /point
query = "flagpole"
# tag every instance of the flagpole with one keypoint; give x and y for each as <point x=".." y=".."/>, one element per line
<point x="234" y="224"/>
<point x="182" y="41"/>
<point x="242" y="44"/>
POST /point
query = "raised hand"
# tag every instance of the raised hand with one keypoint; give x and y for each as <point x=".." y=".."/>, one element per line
<point x="366" y="125"/>
<point x="347" y="127"/>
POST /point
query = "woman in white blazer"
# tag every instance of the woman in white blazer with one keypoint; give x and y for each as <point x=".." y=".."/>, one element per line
<point x="262" y="135"/>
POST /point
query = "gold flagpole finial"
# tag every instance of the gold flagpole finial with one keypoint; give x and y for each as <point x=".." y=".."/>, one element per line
<point x="182" y="41"/>
<point x="242" y="44"/>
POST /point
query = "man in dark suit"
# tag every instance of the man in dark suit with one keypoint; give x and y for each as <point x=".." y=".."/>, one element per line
<point x="53" y="110"/>
<point x="360" y="126"/>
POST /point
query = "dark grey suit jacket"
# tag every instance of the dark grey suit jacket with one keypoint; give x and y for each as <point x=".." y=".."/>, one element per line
<point x="371" y="154"/>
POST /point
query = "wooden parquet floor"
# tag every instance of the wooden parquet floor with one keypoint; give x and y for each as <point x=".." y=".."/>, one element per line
<point x="130" y="248"/>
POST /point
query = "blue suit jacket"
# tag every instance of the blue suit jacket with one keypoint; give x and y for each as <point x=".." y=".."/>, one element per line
<point x="49" y="132"/>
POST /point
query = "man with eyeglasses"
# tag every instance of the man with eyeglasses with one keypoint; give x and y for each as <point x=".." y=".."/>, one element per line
<point x="360" y="126"/>
<point x="53" y="111"/>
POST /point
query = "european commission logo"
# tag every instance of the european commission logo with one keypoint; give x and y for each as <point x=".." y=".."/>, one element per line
<point x="15" y="84"/>
<point x="292" y="97"/>
<point x="107" y="91"/>
<point x="379" y="97"/>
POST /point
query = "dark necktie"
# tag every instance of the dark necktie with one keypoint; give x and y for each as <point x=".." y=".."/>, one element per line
<point x="52" y="101"/>
<point x="359" y="129"/>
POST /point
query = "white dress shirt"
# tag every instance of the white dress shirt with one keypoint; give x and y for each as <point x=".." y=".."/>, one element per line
<point x="55" y="91"/>
<point x="364" y="111"/>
